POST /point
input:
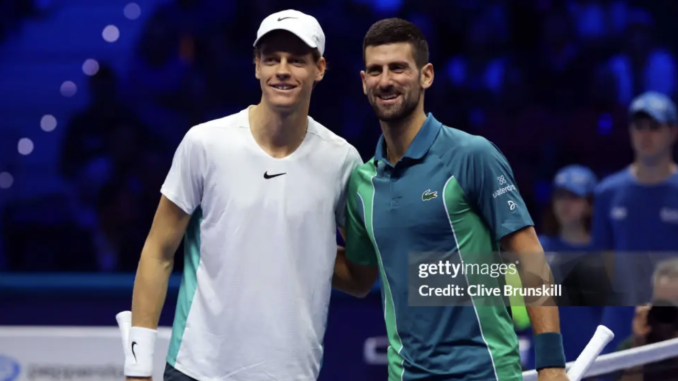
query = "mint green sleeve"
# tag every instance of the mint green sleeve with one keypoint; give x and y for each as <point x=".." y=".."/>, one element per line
<point x="359" y="248"/>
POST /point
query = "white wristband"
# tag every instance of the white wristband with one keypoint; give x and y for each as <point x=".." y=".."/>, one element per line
<point x="139" y="352"/>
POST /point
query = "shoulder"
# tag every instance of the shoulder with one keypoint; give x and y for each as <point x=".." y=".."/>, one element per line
<point x="464" y="146"/>
<point x="363" y="174"/>
<point x="326" y="138"/>
<point x="461" y="142"/>
<point x="332" y="145"/>
<point x="206" y="132"/>
<point x="613" y="182"/>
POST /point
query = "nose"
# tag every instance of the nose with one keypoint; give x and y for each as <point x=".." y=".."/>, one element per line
<point x="385" y="80"/>
<point x="283" y="71"/>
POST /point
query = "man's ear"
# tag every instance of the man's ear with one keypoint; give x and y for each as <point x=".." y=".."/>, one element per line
<point x="427" y="75"/>
<point x="321" y="65"/>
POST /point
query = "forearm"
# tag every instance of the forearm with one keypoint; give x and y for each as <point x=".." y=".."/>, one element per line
<point x="544" y="319"/>
<point x="150" y="288"/>
<point x="350" y="279"/>
<point x="542" y="310"/>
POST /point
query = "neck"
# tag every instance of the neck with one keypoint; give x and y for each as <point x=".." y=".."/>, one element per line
<point x="652" y="171"/>
<point x="575" y="234"/>
<point x="278" y="133"/>
<point x="398" y="135"/>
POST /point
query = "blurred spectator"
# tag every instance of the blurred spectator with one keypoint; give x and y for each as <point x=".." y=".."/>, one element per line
<point x="13" y="12"/>
<point x="478" y="74"/>
<point x="643" y="65"/>
<point x="567" y="223"/>
<point x="102" y="143"/>
<point x="164" y="83"/>
<point x="636" y="211"/>
<point x="560" y="71"/>
<point x="656" y="322"/>
<point x="118" y="236"/>
<point x="87" y="131"/>
<point x="603" y="122"/>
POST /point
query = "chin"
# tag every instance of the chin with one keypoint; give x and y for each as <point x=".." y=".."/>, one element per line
<point x="390" y="115"/>
<point x="282" y="103"/>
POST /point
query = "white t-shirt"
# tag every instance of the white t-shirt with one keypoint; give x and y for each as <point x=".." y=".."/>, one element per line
<point x="259" y="251"/>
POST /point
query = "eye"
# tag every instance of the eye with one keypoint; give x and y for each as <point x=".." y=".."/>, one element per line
<point x="398" y="68"/>
<point x="374" y="71"/>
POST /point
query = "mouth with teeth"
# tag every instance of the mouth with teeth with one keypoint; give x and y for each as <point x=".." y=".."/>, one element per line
<point x="388" y="98"/>
<point x="283" y="87"/>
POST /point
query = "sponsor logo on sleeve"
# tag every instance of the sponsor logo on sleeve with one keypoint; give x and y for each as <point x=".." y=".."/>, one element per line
<point x="505" y="187"/>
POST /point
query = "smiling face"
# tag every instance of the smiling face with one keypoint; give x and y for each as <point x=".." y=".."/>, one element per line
<point x="397" y="71"/>
<point x="287" y="69"/>
<point x="393" y="83"/>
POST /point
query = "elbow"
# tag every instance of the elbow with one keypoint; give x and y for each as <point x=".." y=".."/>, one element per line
<point x="364" y="287"/>
<point x="354" y="289"/>
<point x="158" y="252"/>
<point x="362" y="292"/>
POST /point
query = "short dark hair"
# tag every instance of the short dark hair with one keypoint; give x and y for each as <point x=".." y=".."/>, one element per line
<point x="396" y="30"/>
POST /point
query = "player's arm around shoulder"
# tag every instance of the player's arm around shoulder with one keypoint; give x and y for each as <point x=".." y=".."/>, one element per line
<point x="355" y="269"/>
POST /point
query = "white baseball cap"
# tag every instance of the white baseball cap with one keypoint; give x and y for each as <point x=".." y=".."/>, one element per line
<point x="306" y="27"/>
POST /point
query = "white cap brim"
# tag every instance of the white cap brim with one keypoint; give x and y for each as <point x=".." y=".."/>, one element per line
<point x="295" y="29"/>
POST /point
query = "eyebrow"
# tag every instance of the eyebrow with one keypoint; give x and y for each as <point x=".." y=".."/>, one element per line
<point x="402" y="63"/>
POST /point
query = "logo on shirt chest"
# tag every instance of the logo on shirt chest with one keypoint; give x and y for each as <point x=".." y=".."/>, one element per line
<point x="668" y="215"/>
<point x="428" y="195"/>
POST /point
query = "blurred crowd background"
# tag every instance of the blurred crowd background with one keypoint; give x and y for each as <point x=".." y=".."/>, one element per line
<point x="549" y="82"/>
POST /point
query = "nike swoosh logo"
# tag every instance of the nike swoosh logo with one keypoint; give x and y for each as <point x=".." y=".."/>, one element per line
<point x="134" y="354"/>
<point x="285" y="18"/>
<point x="267" y="176"/>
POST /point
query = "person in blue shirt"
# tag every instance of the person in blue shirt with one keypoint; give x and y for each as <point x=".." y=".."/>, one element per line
<point x="433" y="194"/>
<point x="566" y="236"/>
<point x="636" y="209"/>
<point x="567" y="223"/>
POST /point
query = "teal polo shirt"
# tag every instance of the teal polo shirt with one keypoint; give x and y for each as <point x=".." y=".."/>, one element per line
<point x="452" y="194"/>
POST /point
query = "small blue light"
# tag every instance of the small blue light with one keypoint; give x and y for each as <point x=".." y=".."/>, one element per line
<point x="605" y="124"/>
